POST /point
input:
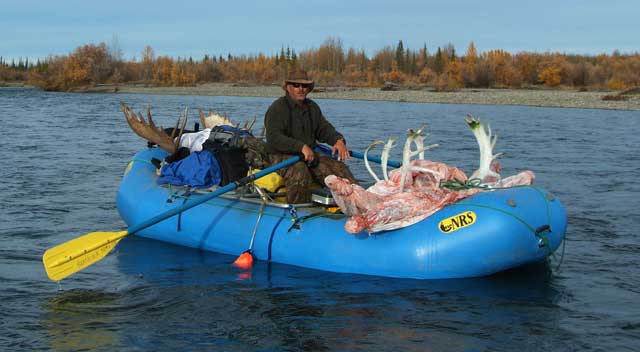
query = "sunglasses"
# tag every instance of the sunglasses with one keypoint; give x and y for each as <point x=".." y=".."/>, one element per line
<point x="298" y="85"/>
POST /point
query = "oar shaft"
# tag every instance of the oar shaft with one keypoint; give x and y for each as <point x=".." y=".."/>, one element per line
<point x="375" y="159"/>
<point x="192" y="202"/>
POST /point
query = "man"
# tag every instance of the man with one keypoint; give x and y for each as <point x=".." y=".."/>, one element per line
<point x="294" y="124"/>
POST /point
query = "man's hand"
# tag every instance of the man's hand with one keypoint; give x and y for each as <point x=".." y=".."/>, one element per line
<point x="341" y="149"/>
<point x="308" y="153"/>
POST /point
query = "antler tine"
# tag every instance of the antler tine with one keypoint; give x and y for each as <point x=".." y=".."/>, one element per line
<point x="202" y="121"/>
<point x="147" y="129"/>
<point x="184" y="122"/>
<point x="366" y="159"/>
<point x="386" y="151"/>
<point x="251" y="124"/>
<point x="175" y="128"/>
<point x="151" y="123"/>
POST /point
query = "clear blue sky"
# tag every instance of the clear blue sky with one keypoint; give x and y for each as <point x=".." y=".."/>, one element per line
<point x="35" y="29"/>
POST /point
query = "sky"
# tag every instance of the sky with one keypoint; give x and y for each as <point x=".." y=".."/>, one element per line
<point x="181" y="28"/>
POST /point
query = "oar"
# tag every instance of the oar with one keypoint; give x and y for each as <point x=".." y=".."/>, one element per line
<point x="376" y="159"/>
<point x="72" y="256"/>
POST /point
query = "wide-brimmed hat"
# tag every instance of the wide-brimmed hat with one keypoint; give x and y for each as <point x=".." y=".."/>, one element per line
<point x="298" y="76"/>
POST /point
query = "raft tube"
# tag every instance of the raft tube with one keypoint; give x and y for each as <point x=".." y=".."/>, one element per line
<point x="487" y="233"/>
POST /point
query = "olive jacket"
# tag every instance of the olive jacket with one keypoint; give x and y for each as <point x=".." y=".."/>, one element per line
<point x="289" y="126"/>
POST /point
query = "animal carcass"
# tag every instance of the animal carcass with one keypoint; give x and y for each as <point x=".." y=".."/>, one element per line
<point x="414" y="191"/>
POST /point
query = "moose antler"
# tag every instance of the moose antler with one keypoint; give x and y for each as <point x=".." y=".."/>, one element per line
<point x="149" y="130"/>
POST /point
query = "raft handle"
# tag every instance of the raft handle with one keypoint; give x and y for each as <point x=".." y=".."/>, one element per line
<point x="542" y="240"/>
<point x="543" y="228"/>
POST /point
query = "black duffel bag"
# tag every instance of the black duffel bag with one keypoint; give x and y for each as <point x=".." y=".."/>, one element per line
<point x="226" y="146"/>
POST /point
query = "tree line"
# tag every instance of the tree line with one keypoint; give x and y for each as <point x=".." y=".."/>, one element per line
<point x="331" y="65"/>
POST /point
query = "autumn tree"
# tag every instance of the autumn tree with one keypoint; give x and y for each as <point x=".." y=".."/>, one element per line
<point x="550" y="76"/>
<point x="395" y="75"/>
<point x="527" y="64"/>
<point x="148" y="60"/>
<point x="468" y="70"/>
<point x="451" y="78"/>
<point x="329" y="64"/>
<point x="162" y="69"/>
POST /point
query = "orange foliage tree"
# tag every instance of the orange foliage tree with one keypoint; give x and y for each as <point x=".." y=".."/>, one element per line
<point x="330" y="64"/>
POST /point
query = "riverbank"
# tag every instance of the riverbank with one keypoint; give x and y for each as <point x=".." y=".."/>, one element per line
<point x="526" y="97"/>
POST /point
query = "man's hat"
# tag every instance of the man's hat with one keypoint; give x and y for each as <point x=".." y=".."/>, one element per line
<point x="298" y="76"/>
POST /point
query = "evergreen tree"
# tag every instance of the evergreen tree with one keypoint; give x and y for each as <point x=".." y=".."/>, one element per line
<point x="414" y="63"/>
<point x="400" y="56"/>
<point x="293" y="64"/>
<point x="407" y="61"/>
<point x="438" y="62"/>
<point x="423" y="58"/>
<point x="282" y="57"/>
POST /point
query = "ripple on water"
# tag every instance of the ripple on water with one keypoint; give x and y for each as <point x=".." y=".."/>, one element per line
<point x="62" y="180"/>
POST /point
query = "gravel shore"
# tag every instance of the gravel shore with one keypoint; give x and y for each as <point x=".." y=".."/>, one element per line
<point x="527" y="97"/>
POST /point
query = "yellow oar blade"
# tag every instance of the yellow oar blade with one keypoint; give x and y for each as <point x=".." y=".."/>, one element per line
<point x="77" y="254"/>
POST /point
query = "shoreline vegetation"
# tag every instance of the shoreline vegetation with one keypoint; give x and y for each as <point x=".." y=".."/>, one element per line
<point x="393" y="73"/>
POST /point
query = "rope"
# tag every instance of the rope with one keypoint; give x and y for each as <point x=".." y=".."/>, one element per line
<point x="459" y="185"/>
<point x="564" y="241"/>
<point x="502" y="211"/>
<point x="538" y="233"/>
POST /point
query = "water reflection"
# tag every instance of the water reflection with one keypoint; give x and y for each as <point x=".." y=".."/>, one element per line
<point x="80" y="320"/>
<point x="194" y="296"/>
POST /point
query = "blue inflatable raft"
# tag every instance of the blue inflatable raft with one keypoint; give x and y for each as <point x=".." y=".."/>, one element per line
<point x="478" y="236"/>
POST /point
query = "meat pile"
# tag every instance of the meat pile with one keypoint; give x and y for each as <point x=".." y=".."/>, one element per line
<point x="413" y="192"/>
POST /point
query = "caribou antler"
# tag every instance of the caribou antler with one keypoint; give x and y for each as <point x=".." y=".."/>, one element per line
<point x="214" y="119"/>
<point x="413" y="137"/>
<point x="149" y="130"/>
<point x="486" y="142"/>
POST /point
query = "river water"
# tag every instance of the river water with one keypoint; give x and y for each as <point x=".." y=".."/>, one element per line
<point x="64" y="155"/>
